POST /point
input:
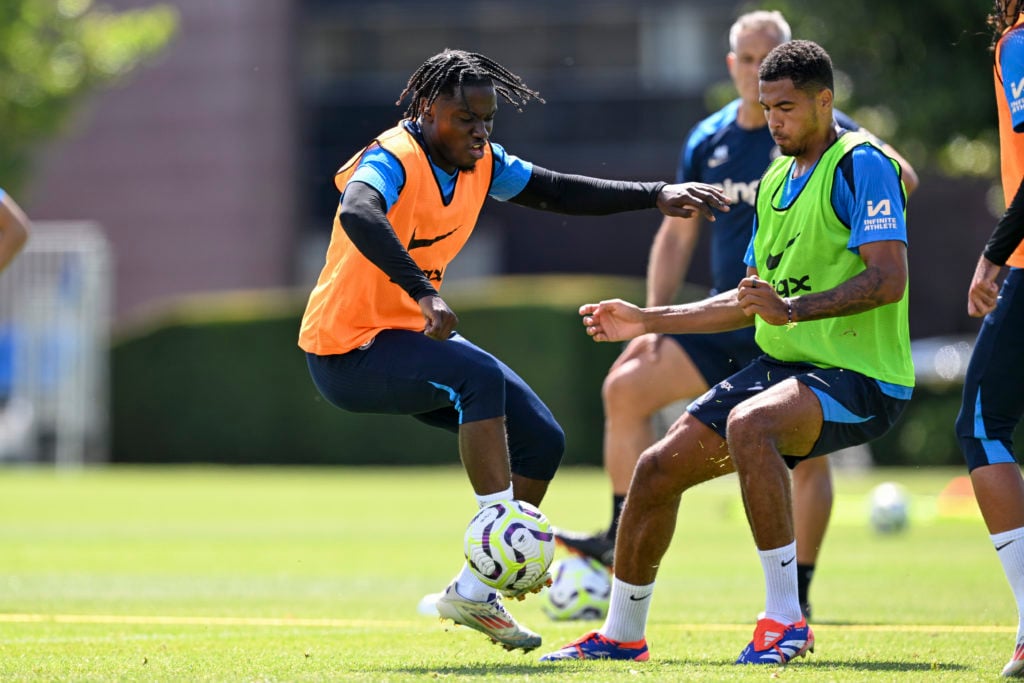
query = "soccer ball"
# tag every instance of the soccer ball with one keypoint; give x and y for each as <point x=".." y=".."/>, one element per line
<point x="509" y="545"/>
<point x="890" y="506"/>
<point x="581" y="589"/>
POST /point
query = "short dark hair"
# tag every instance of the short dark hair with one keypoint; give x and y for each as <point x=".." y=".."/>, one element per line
<point x="447" y="71"/>
<point x="802" y="61"/>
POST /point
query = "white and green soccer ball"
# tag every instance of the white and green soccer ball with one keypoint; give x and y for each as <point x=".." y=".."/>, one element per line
<point x="509" y="545"/>
<point x="889" y="508"/>
<point x="581" y="589"/>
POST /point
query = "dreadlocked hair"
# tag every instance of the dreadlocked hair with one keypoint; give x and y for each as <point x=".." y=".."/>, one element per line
<point x="997" y="20"/>
<point x="447" y="71"/>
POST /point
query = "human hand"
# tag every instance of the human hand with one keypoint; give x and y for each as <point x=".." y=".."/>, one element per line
<point x="441" y="320"/>
<point x="613" y="320"/>
<point x="757" y="297"/>
<point x="983" y="294"/>
<point x="686" y="199"/>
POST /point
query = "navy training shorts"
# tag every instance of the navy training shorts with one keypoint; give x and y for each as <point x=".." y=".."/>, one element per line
<point x="443" y="384"/>
<point x="856" y="408"/>
<point x="993" y="398"/>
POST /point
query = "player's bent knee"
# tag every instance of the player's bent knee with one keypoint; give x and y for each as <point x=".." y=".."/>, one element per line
<point x="654" y="481"/>
<point x="538" y="455"/>
<point x="746" y="426"/>
<point x="628" y="391"/>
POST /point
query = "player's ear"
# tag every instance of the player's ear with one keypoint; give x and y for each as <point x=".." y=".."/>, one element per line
<point x="825" y="98"/>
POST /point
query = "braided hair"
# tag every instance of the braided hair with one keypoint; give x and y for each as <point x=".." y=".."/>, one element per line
<point x="447" y="71"/>
<point x="998" y="20"/>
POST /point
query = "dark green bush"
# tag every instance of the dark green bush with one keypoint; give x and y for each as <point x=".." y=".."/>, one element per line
<point x="220" y="379"/>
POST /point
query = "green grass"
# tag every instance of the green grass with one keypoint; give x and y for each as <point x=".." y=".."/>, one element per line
<point x="211" y="574"/>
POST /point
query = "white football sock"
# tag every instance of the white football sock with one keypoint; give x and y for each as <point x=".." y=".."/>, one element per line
<point x="485" y="500"/>
<point x="782" y="599"/>
<point x="469" y="585"/>
<point x="627" y="614"/>
<point x="1010" y="549"/>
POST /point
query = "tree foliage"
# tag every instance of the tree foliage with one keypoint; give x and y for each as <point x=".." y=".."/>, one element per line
<point x="918" y="74"/>
<point x="54" y="52"/>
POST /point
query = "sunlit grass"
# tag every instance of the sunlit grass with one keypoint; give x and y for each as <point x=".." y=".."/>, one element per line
<point x="212" y="574"/>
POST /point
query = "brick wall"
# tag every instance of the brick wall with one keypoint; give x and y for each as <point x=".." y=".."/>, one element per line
<point x="188" y="164"/>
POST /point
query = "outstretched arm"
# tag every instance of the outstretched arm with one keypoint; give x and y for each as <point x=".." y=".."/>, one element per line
<point x="585" y="196"/>
<point x="618" y="320"/>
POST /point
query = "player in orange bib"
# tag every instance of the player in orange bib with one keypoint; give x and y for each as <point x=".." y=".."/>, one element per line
<point x="993" y="402"/>
<point x="378" y="336"/>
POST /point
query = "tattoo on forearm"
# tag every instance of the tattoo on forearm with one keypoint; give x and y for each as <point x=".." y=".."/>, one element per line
<point x="858" y="294"/>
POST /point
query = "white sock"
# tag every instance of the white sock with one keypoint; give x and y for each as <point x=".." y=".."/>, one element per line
<point x="627" y="614"/>
<point x="469" y="585"/>
<point x="1010" y="549"/>
<point x="485" y="500"/>
<point x="782" y="599"/>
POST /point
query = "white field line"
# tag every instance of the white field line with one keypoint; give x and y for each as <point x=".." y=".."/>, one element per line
<point x="371" y="623"/>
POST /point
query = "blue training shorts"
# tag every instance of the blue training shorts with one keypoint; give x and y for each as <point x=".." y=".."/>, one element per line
<point x="993" y="399"/>
<point x="443" y="384"/>
<point x="856" y="408"/>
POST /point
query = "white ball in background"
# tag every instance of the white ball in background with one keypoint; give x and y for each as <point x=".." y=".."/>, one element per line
<point x="889" y="508"/>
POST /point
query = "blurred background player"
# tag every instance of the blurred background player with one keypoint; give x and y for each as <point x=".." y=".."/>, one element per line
<point x="14" y="229"/>
<point x="16" y="413"/>
<point x="730" y="149"/>
<point x="993" y="400"/>
<point x="378" y="336"/>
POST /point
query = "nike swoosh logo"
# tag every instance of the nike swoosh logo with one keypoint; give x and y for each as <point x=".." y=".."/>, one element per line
<point x="789" y="561"/>
<point x="715" y="162"/>
<point x="773" y="260"/>
<point x="639" y="598"/>
<point x="1003" y="545"/>
<point x="416" y="244"/>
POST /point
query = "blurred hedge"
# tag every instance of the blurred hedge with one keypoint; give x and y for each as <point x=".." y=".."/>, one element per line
<point x="220" y="379"/>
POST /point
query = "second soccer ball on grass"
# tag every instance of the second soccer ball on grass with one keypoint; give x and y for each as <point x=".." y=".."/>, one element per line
<point x="581" y="589"/>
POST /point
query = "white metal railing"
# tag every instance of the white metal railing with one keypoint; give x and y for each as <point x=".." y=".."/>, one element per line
<point x="55" y="313"/>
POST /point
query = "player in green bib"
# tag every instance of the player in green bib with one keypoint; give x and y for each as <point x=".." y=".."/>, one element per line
<point x="789" y="247"/>
<point x="826" y="289"/>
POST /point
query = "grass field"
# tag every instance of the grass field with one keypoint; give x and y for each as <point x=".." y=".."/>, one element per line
<point x="210" y="574"/>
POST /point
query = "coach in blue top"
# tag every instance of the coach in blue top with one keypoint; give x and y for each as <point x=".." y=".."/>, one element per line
<point x="729" y="149"/>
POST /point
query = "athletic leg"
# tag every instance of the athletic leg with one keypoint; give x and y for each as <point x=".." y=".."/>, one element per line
<point x="992" y="407"/>
<point x="812" y="507"/>
<point x="653" y="371"/>
<point x="457" y="386"/>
